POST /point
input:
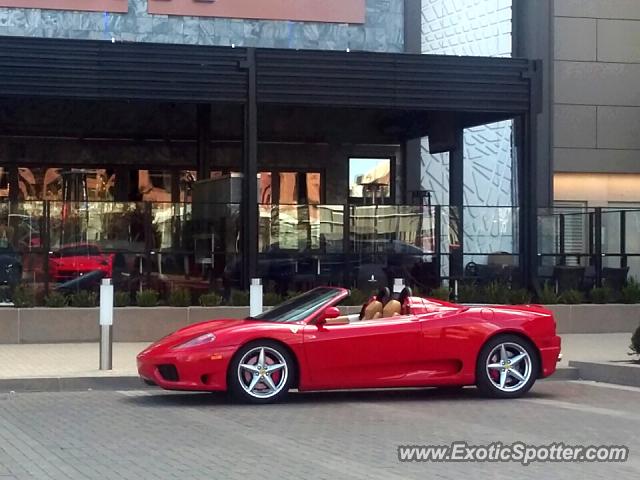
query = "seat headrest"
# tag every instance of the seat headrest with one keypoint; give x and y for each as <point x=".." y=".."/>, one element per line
<point x="404" y="294"/>
<point x="383" y="295"/>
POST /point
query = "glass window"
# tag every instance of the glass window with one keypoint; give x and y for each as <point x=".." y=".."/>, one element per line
<point x="265" y="192"/>
<point x="72" y="184"/>
<point x="154" y="185"/>
<point x="187" y="179"/>
<point x="4" y="183"/>
<point x="370" y="177"/>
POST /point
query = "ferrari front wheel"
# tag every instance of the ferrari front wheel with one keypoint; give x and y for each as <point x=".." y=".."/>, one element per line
<point x="261" y="372"/>
<point x="507" y="367"/>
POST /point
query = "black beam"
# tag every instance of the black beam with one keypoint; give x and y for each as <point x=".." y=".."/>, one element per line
<point x="250" y="172"/>
<point x="456" y="203"/>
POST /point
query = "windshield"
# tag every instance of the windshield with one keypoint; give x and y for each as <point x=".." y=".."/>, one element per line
<point x="300" y="307"/>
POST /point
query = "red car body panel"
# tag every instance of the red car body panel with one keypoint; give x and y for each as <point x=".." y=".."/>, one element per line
<point x="434" y="344"/>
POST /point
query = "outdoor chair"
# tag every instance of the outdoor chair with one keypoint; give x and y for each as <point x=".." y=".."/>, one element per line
<point x="568" y="277"/>
<point x="614" y="278"/>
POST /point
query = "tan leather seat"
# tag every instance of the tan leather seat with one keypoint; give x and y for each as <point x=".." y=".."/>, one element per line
<point x="373" y="310"/>
<point x="392" y="309"/>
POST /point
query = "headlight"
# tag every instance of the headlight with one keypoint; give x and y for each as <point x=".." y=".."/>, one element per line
<point x="9" y="266"/>
<point x="196" y="342"/>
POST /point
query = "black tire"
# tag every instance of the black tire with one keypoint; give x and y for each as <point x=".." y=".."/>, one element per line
<point x="236" y="389"/>
<point x="484" y="382"/>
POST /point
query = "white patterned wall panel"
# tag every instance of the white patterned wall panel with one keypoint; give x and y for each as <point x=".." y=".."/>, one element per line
<point x="482" y="28"/>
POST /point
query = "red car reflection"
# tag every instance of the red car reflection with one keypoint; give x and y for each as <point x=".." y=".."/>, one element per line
<point x="405" y="341"/>
<point x="74" y="260"/>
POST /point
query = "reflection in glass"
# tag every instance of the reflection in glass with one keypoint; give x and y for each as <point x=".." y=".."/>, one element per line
<point x="186" y="180"/>
<point x="4" y="183"/>
<point x="71" y="184"/>
<point x="154" y="185"/>
<point x="369" y="177"/>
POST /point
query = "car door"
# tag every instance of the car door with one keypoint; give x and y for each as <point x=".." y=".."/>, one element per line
<point x="374" y="353"/>
<point x="449" y="341"/>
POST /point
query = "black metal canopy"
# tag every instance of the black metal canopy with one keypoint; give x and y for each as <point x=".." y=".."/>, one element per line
<point x="397" y="88"/>
<point x="254" y="94"/>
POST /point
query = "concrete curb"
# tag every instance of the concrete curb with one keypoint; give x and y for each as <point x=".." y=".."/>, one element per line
<point x="564" y="373"/>
<point x="607" y="372"/>
<point x="133" y="382"/>
<point x="71" y="384"/>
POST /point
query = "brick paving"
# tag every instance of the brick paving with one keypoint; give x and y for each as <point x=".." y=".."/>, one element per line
<point x="159" y="435"/>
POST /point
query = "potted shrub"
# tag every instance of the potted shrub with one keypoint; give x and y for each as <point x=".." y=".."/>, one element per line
<point x="631" y="292"/>
<point x="180" y="297"/>
<point x="147" y="298"/>
<point x="55" y="300"/>
<point x="548" y="295"/>
<point x="601" y="295"/>
<point x="211" y="299"/>
<point x="83" y="299"/>
<point x="24" y="297"/>
<point x="571" y="297"/>
<point x="122" y="299"/>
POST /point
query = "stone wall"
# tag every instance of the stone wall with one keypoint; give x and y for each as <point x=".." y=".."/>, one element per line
<point x="382" y="32"/>
<point x="596" y="77"/>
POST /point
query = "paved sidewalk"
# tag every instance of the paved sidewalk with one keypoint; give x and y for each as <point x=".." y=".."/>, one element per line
<point x="595" y="347"/>
<point x="81" y="359"/>
<point x="65" y="360"/>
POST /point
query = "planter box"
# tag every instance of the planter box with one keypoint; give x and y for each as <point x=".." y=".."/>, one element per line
<point x="58" y="325"/>
<point x="202" y="314"/>
<point x="590" y="318"/>
<point x="9" y="325"/>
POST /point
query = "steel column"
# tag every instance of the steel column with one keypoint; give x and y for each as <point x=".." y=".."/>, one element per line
<point x="250" y="173"/>
<point x="527" y="183"/>
<point x="456" y="203"/>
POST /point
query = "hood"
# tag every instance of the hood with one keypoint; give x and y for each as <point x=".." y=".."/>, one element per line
<point x="197" y="329"/>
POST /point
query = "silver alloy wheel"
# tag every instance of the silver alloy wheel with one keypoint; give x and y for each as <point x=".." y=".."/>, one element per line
<point x="263" y="372"/>
<point x="508" y="367"/>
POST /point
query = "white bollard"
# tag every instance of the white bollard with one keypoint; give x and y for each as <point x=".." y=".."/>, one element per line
<point x="398" y="285"/>
<point x="106" y="324"/>
<point x="255" y="297"/>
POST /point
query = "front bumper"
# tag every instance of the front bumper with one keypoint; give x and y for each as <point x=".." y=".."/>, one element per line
<point x="187" y="370"/>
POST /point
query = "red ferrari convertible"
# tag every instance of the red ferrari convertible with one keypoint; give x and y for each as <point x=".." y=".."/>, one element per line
<point x="74" y="260"/>
<point x="406" y="341"/>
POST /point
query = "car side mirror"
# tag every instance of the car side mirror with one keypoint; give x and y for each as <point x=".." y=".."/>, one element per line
<point x="328" y="313"/>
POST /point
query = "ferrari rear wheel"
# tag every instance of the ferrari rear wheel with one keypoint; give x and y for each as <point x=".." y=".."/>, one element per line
<point x="507" y="367"/>
<point x="261" y="372"/>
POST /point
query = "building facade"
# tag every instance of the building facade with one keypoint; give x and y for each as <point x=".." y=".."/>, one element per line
<point x="478" y="161"/>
